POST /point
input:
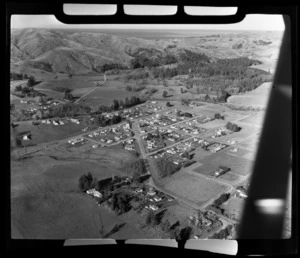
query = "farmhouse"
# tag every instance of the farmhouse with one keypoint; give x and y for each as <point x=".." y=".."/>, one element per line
<point x="75" y="141"/>
<point x="26" y="137"/>
<point x="241" y="192"/>
<point x="94" y="193"/>
<point x="222" y="170"/>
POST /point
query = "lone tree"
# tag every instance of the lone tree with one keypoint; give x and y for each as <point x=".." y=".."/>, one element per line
<point x="116" y="104"/>
<point x="68" y="95"/>
<point x="233" y="127"/>
<point x="87" y="182"/>
<point x="31" y="81"/>
<point x="165" y="94"/>
<point x="218" y="116"/>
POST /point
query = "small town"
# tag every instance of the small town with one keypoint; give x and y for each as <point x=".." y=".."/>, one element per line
<point x="123" y="134"/>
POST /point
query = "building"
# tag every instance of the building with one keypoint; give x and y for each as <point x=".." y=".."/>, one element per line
<point x="74" y="141"/>
<point x="241" y="192"/>
<point x="94" y="193"/>
<point x="26" y="137"/>
<point x="221" y="171"/>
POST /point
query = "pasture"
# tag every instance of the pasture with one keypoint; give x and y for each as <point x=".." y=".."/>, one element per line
<point x="237" y="165"/>
<point x="46" y="132"/>
<point x="234" y="207"/>
<point x="194" y="188"/>
<point x="256" y="119"/>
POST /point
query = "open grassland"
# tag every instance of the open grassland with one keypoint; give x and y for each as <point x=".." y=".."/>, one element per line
<point x="52" y="215"/>
<point x="256" y="119"/>
<point x="65" y="83"/>
<point x="242" y="153"/>
<point x="250" y="143"/>
<point x="46" y="202"/>
<point x="256" y="98"/>
<point x="193" y="188"/>
<point x="247" y="131"/>
<point x="46" y="132"/>
<point x="234" y="207"/>
<point x="237" y="165"/>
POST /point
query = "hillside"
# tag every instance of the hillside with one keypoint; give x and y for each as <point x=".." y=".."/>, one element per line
<point x="82" y="52"/>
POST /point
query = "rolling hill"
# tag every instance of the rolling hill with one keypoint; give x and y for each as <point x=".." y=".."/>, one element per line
<point x="56" y="51"/>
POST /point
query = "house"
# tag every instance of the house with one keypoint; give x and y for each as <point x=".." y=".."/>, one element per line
<point x="157" y="199"/>
<point x="94" y="193"/>
<point x="138" y="190"/>
<point x="26" y="137"/>
<point x="222" y="170"/>
<point x="74" y="120"/>
<point x="74" y="141"/>
<point x="241" y="192"/>
<point x="151" y="193"/>
<point x="153" y="207"/>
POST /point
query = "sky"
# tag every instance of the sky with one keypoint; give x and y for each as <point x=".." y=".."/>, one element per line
<point x="251" y="22"/>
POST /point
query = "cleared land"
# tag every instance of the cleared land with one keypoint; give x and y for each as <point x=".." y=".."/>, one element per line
<point x="46" y="132"/>
<point x="256" y="119"/>
<point x="193" y="188"/>
<point x="234" y="207"/>
<point x="46" y="202"/>
<point x="237" y="165"/>
<point x="256" y="98"/>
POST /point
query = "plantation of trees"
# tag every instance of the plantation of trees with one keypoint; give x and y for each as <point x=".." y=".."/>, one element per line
<point x="234" y="75"/>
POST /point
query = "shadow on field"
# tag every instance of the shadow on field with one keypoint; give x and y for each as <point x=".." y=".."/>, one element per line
<point x="115" y="229"/>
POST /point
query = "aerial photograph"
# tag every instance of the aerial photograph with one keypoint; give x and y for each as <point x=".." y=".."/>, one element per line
<point x="136" y="131"/>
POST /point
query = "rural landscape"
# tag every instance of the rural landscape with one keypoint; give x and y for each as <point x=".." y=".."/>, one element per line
<point x="130" y="137"/>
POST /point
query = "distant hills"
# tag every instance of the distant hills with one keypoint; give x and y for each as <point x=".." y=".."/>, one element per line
<point x="85" y="52"/>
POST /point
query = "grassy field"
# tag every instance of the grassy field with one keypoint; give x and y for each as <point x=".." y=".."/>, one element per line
<point x="237" y="165"/>
<point x="257" y="97"/>
<point x="47" y="132"/>
<point x="242" y="153"/>
<point x="246" y="132"/>
<point x="250" y="143"/>
<point x="65" y="83"/>
<point x="234" y="207"/>
<point x="256" y="119"/>
<point x="193" y="188"/>
<point x="46" y="202"/>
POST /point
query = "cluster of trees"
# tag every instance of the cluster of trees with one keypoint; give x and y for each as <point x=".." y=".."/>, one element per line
<point x="111" y="66"/>
<point x="223" y="233"/>
<point x="166" y="167"/>
<point x="215" y="206"/>
<point x="32" y="81"/>
<point x="127" y="103"/>
<point x="218" y="116"/>
<point x="87" y="182"/>
<point x="135" y="169"/>
<point x="101" y="120"/>
<point x="68" y="94"/>
<point x="233" y="127"/>
<point x="135" y="88"/>
<point x="165" y="94"/>
<point x="151" y="58"/>
<point x="120" y="202"/>
<point x="68" y="110"/>
<point x="18" y="76"/>
<point x="235" y="75"/>
<point x="136" y="75"/>
<point x="28" y="91"/>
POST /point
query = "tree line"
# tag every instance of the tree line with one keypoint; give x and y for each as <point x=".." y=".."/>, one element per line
<point x="18" y="76"/>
